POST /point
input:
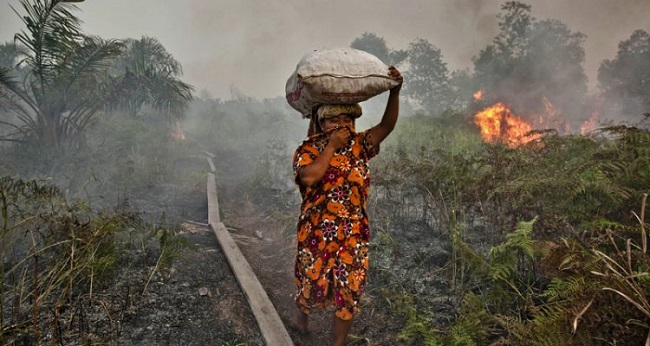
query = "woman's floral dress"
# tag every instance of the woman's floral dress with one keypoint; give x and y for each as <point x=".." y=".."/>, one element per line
<point x="333" y="233"/>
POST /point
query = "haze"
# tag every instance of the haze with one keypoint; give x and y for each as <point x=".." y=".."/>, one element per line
<point x="251" y="47"/>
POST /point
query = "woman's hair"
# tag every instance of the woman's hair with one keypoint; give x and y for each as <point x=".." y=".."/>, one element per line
<point x="330" y="111"/>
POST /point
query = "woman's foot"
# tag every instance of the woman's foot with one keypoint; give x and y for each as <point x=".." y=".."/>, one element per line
<point x="301" y="323"/>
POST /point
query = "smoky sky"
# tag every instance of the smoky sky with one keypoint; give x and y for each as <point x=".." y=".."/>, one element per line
<point x="252" y="46"/>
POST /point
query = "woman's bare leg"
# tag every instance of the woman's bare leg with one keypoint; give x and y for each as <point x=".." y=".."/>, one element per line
<point x="341" y="330"/>
<point x="302" y="321"/>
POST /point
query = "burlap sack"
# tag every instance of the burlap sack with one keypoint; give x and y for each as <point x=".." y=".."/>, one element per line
<point x="335" y="76"/>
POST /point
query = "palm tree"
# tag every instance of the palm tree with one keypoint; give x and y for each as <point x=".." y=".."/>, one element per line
<point x="63" y="88"/>
<point x="149" y="75"/>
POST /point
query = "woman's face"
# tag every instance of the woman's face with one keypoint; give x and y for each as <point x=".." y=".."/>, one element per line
<point x="337" y="121"/>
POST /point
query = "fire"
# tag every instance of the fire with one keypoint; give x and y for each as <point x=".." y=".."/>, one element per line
<point x="590" y="124"/>
<point x="497" y="123"/>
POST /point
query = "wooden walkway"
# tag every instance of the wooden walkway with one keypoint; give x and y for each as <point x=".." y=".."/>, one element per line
<point x="271" y="326"/>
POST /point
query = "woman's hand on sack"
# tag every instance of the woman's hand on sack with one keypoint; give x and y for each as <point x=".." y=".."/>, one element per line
<point x="394" y="73"/>
<point x="339" y="138"/>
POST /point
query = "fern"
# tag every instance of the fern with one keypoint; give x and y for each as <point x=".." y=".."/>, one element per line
<point x="474" y="325"/>
<point x="505" y="258"/>
<point x="564" y="288"/>
<point x="418" y="329"/>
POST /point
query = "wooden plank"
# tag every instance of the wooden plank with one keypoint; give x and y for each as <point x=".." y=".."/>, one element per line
<point x="211" y="164"/>
<point x="268" y="320"/>
<point x="213" y="202"/>
<point x="209" y="154"/>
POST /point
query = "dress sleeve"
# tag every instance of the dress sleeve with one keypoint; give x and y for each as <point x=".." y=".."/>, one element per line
<point x="369" y="149"/>
<point x="304" y="155"/>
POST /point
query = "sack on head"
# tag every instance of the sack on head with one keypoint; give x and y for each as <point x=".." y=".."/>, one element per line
<point x="336" y="76"/>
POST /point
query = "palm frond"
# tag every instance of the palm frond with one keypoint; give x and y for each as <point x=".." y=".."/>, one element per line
<point x="149" y="76"/>
<point x="148" y="54"/>
<point x="15" y="97"/>
<point x="94" y="56"/>
<point x="170" y="94"/>
<point x="52" y="31"/>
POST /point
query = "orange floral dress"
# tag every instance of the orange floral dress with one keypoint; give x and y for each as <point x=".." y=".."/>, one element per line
<point x="333" y="234"/>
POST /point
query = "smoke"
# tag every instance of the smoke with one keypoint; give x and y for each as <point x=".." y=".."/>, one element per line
<point x="605" y="22"/>
<point x="254" y="46"/>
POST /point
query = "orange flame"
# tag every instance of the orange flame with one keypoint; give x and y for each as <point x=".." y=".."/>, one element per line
<point x="591" y="123"/>
<point x="497" y="123"/>
<point x="478" y="95"/>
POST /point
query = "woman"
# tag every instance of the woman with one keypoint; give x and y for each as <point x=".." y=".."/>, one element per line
<point x="332" y="173"/>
